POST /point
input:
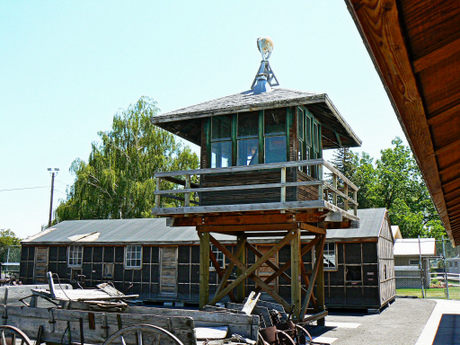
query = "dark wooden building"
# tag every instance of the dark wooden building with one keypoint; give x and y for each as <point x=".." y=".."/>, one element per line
<point x="161" y="263"/>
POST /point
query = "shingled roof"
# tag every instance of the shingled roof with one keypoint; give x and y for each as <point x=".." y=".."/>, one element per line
<point x="186" y="123"/>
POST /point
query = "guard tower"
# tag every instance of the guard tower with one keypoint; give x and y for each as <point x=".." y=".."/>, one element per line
<point x="262" y="175"/>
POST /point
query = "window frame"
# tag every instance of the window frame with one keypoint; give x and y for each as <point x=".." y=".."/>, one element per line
<point x="128" y="261"/>
<point x="75" y="256"/>
<point x="221" y="140"/>
<point x="328" y="244"/>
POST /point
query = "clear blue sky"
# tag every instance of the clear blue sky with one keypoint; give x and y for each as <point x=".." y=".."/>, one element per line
<point x="66" y="67"/>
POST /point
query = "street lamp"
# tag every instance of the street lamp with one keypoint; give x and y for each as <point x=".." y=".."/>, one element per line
<point x="53" y="172"/>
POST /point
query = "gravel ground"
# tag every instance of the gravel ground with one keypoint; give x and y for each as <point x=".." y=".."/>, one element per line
<point x="401" y="323"/>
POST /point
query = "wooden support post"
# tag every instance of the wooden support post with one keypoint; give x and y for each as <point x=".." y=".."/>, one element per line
<point x="241" y="289"/>
<point x="283" y="180"/>
<point x="204" y="268"/>
<point x="320" y="299"/>
<point x="345" y="201"/>
<point x="187" y="195"/>
<point x="319" y="257"/>
<point x="334" y="184"/>
<point x="296" y="257"/>
<point x="355" y="198"/>
<point x="158" y="196"/>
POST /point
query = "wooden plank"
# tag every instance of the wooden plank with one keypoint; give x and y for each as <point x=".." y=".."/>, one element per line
<point x="240" y="228"/>
<point x="266" y="218"/>
<point x="442" y="53"/>
<point x="239" y="187"/>
<point x="318" y="259"/>
<point x="232" y="169"/>
<point x="320" y="298"/>
<point x="296" y="258"/>
<point x="241" y="289"/>
<point x="287" y="264"/>
<point x="312" y="228"/>
<point x="238" y="252"/>
<point x="248" y="272"/>
<point x="204" y="268"/>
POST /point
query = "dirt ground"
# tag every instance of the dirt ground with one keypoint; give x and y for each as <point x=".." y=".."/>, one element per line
<point x="401" y="323"/>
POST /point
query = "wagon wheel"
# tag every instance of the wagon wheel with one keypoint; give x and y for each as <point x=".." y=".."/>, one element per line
<point x="10" y="335"/>
<point x="141" y="334"/>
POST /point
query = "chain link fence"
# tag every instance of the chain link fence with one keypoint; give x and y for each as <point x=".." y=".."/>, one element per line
<point x="10" y="258"/>
<point x="433" y="275"/>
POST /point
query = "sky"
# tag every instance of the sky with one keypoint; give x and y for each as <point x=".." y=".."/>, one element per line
<point x="67" y="67"/>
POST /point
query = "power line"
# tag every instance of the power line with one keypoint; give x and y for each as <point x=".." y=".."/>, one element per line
<point x="24" y="188"/>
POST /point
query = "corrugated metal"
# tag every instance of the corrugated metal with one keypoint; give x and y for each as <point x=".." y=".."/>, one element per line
<point x="370" y="222"/>
<point x="116" y="231"/>
<point x="155" y="231"/>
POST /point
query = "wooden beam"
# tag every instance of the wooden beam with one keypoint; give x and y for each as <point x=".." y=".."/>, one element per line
<point x="224" y="281"/>
<point x="442" y="53"/>
<point x="204" y="268"/>
<point x="444" y="115"/>
<point x="220" y="273"/>
<point x="450" y="167"/>
<point x="312" y="228"/>
<point x="447" y="147"/>
<point x="296" y="257"/>
<point x="320" y="299"/>
<point x="319" y="257"/>
<point x="248" y="272"/>
<point x="243" y="228"/>
<point x="381" y="30"/>
<point x="241" y="289"/>
<point x="266" y="218"/>
<point x="287" y="264"/>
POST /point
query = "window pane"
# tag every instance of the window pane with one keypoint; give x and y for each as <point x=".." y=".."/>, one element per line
<point x="248" y="153"/>
<point x="315" y="138"/>
<point x="221" y="127"/>
<point x="275" y="149"/>
<point x="300" y="124"/>
<point x="329" y="256"/>
<point x="275" y="121"/>
<point x="308" y="130"/>
<point x="248" y="125"/>
<point x="221" y="155"/>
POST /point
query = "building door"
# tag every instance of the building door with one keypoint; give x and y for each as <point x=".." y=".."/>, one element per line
<point x="168" y="271"/>
<point x="265" y="271"/>
<point x="41" y="264"/>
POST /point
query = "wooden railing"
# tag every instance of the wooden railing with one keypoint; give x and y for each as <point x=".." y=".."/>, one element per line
<point x="336" y="188"/>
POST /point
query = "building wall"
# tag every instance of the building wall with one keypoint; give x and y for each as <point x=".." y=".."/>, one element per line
<point x="387" y="276"/>
<point x="339" y="289"/>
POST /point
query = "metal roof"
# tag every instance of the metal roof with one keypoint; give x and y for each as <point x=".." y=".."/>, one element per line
<point x="371" y="221"/>
<point x="186" y="122"/>
<point x="155" y="231"/>
<point x="412" y="246"/>
<point x="117" y="231"/>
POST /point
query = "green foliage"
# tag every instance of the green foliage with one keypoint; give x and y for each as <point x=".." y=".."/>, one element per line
<point x="117" y="181"/>
<point x="8" y="238"/>
<point x="396" y="183"/>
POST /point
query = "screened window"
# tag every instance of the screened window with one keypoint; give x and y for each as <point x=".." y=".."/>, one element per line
<point x="329" y="256"/>
<point x="275" y="136"/>
<point x="220" y="258"/>
<point x="248" y="138"/>
<point x="133" y="256"/>
<point x="221" y="141"/>
<point x="75" y="256"/>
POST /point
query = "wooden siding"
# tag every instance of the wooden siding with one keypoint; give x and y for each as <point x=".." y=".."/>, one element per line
<point x="386" y="263"/>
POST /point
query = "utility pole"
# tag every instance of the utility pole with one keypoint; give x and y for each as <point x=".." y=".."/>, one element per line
<point x="53" y="172"/>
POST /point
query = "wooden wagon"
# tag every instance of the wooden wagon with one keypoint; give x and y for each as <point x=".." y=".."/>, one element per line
<point x="61" y="315"/>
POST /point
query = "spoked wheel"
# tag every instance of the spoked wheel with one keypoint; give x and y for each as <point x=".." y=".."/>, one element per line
<point x="10" y="335"/>
<point x="142" y="334"/>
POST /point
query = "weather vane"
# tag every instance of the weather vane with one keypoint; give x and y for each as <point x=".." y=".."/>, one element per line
<point x="265" y="78"/>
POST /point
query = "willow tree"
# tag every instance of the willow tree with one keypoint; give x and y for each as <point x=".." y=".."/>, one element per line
<point x="117" y="181"/>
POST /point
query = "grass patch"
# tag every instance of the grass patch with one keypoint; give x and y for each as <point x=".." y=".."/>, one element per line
<point x="439" y="293"/>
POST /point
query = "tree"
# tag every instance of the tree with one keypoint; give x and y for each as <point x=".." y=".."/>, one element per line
<point x="117" y="181"/>
<point x="396" y="183"/>
<point x="8" y="238"/>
